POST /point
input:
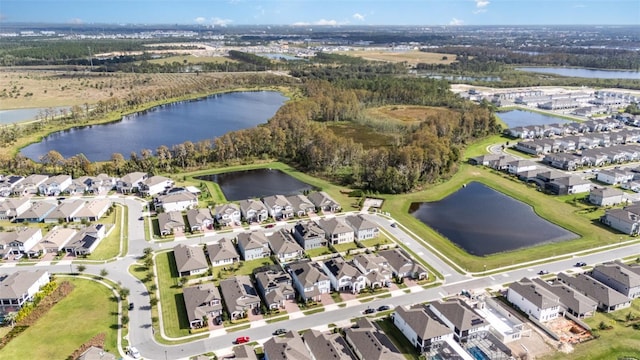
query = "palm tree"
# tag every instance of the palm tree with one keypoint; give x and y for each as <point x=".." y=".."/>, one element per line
<point x="104" y="272"/>
<point x="11" y="317"/>
<point x="81" y="268"/>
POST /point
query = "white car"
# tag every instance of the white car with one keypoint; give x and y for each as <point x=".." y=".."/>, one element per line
<point x="134" y="353"/>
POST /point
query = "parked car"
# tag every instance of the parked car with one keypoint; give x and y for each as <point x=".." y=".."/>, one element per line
<point x="280" y="331"/>
<point x="141" y="218"/>
<point x="581" y="264"/>
<point x="18" y="257"/>
<point x="131" y="306"/>
<point x="242" y="340"/>
<point x="369" y="311"/>
<point x="543" y="272"/>
<point x="393" y="225"/>
<point x="384" y="308"/>
<point x="270" y="226"/>
<point x="134" y="353"/>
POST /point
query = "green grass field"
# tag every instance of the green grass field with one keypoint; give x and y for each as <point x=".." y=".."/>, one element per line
<point x="86" y="312"/>
<point x="109" y="247"/>
<point x="174" y="313"/>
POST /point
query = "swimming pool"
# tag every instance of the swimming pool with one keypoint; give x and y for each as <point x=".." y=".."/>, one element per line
<point x="478" y="354"/>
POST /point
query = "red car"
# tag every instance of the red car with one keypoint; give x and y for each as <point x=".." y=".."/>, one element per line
<point x="242" y="340"/>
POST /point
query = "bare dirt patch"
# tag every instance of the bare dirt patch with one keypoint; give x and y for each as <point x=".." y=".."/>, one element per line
<point x="408" y="114"/>
<point x="411" y="57"/>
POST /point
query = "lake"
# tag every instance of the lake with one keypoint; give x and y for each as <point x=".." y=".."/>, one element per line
<point x="483" y="221"/>
<point x="170" y="124"/>
<point x="20" y="115"/>
<point x="584" y="73"/>
<point x="515" y="118"/>
<point x="257" y="183"/>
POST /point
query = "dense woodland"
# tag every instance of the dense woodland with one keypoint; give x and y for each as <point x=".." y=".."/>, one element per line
<point x="297" y="134"/>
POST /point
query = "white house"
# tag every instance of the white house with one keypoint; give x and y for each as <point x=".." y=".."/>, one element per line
<point x="22" y="240"/>
<point x="227" y="214"/>
<point x="253" y="211"/>
<point x="363" y="228"/>
<point x="613" y="177"/>
<point x="54" y="185"/>
<point x="459" y="317"/>
<point x="178" y="201"/>
<point x="606" y="196"/>
<point x="18" y="288"/>
<point x="309" y="280"/>
<point x="131" y="182"/>
<point x="534" y="300"/>
<point x="336" y="230"/>
<point x="278" y="206"/>
<point x="155" y="185"/>
<point x="12" y="207"/>
<point x="424" y="330"/>
<point x="517" y="166"/>
<point x="344" y="276"/>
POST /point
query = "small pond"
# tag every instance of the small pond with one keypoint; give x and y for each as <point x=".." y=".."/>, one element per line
<point x="483" y="221"/>
<point x="257" y="183"/>
<point x="584" y="73"/>
<point x="20" y="115"/>
<point x="515" y="118"/>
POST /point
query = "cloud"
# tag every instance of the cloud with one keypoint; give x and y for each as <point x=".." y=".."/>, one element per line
<point x="200" y="20"/>
<point x="76" y="21"/>
<point x="321" y="22"/>
<point x="220" y="22"/>
<point x="358" y="16"/>
<point x="456" y="22"/>
<point x="481" y="3"/>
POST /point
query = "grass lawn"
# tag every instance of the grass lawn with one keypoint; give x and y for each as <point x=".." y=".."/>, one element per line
<point x="381" y="239"/>
<point x="346" y="246"/>
<point x="86" y="312"/>
<point x="174" y="313"/>
<point x="323" y="250"/>
<point x="618" y="343"/>
<point x="109" y="247"/>
<point x="241" y="268"/>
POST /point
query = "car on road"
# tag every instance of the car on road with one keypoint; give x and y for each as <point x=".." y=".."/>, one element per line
<point x="384" y="308"/>
<point x="280" y="331"/>
<point x="134" y="353"/>
<point x="369" y="311"/>
<point x="131" y="306"/>
<point x="141" y="218"/>
<point x="270" y="226"/>
<point x="242" y="340"/>
<point x="581" y="264"/>
<point x="393" y="225"/>
<point x="543" y="272"/>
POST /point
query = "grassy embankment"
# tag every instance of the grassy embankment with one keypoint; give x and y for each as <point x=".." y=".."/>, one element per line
<point x="57" y="334"/>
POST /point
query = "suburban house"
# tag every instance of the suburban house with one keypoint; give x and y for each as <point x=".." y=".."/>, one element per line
<point x="568" y="185"/>
<point x="375" y="268"/>
<point x="619" y="276"/>
<point x="18" y="288"/>
<point x="55" y="185"/>
<point x="176" y="201"/>
<point x="227" y="214"/>
<point x="614" y="177"/>
<point x="518" y="166"/>
<point x="309" y="280"/>
<point x="200" y="301"/>
<point x="190" y="260"/>
<point x="93" y="210"/>
<point x="86" y="240"/>
<point x="56" y="239"/>
<point x="401" y="266"/>
<point x="284" y="246"/>
<point x="29" y="185"/>
<point x="199" y="219"/>
<point x="253" y="211"/>
<point x="424" y="330"/>
<point x="12" y="207"/>
<point x="289" y="346"/>
<point x="606" y="196"/>
<point x="622" y="220"/>
<point x="344" y="276"/>
<point x="323" y="201"/>
<point x="102" y="183"/>
<point x="275" y="287"/>
<point x="253" y="245"/>
<point x="309" y="235"/>
<point x="65" y="212"/>
<point x="327" y="346"/>
<point x="131" y="182"/>
<point x="363" y="228"/>
<point x="571" y="300"/>
<point x="170" y="223"/>
<point x="336" y="230"/>
<point x="607" y="298"/>
<point x="239" y="296"/>
<point x="244" y="352"/>
<point x="7" y="183"/>
<point x="368" y="342"/>
<point x="79" y="186"/>
<point x="36" y="213"/>
<point x="222" y="253"/>
<point x="20" y="241"/>
<point x="459" y="317"/>
<point x="533" y="299"/>
<point x="278" y="206"/>
<point x="301" y="205"/>
<point x="155" y="185"/>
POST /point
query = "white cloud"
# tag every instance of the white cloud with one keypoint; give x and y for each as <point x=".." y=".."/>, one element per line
<point x="76" y="21"/>
<point x="321" y="22"/>
<point x="326" y="22"/>
<point x="200" y="20"/>
<point x="358" y="16"/>
<point x="220" y="22"/>
<point x="481" y="3"/>
<point x="456" y="22"/>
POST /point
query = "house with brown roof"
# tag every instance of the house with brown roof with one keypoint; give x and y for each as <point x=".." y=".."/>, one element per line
<point x="190" y="260"/>
<point x="20" y="287"/>
<point x="424" y="330"/>
<point x="368" y="342"/>
<point x="200" y="301"/>
<point x="284" y="246"/>
<point x="240" y="297"/>
<point x="309" y="280"/>
<point x="459" y="317"/>
<point x="289" y="346"/>
<point x="199" y="219"/>
<point x="323" y="202"/>
<point x="222" y="253"/>
<point x="327" y="346"/>
<point x="253" y="245"/>
<point x="170" y="222"/>
<point x="243" y="352"/>
<point x="336" y="230"/>
<point x="275" y="287"/>
<point x="253" y="211"/>
<point x="363" y="228"/>
<point x="402" y="266"/>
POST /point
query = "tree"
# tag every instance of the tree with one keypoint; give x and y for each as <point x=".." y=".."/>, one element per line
<point x="124" y="292"/>
<point x="104" y="272"/>
<point x="125" y="319"/>
<point x="148" y="262"/>
<point x="11" y="318"/>
<point x="147" y="251"/>
<point x="81" y="268"/>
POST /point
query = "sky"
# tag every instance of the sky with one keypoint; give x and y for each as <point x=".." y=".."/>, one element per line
<point x="324" y="12"/>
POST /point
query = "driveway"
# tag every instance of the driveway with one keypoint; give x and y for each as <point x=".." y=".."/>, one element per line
<point x="326" y="299"/>
<point x="291" y="306"/>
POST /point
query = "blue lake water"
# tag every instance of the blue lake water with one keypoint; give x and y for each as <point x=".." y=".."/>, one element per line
<point x="258" y="183"/>
<point x="584" y="73"/>
<point x="169" y="125"/>
<point x="19" y="115"/>
<point x="483" y="221"/>
<point x="515" y="118"/>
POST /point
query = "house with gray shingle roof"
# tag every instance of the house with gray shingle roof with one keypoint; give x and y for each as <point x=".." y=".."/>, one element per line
<point x="363" y="228"/>
<point x="170" y="222"/>
<point x="176" y="201"/>
<point x="278" y="206"/>
<point x="93" y="210"/>
<point x="253" y="245"/>
<point x="155" y="185"/>
<point x="20" y="287"/>
<point x="86" y="240"/>
<point x="96" y="353"/>
<point x="323" y="202"/>
<point x="29" y="185"/>
<point x="200" y="301"/>
<point x="534" y="299"/>
<point x="336" y="230"/>
<point x="227" y="214"/>
<point x="239" y="296"/>
<point x="375" y="268"/>
<point x="199" y="219"/>
<point x="12" y="207"/>
<point x="301" y="205"/>
<point x="289" y="346"/>
<point x="571" y="301"/>
<point x="460" y="318"/>
<point x="7" y="183"/>
<point x="402" y="266"/>
<point x="327" y="346"/>
<point x="605" y="196"/>
<point x="244" y="352"/>
<point x="368" y="342"/>
<point x="222" y="253"/>
<point x="344" y="276"/>
<point x="190" y="260"/>
<point x="65" y="212"/>
<point x="421" y="327"/>
<point x="309" y="235"/>
<point x="20" y="241"/>
<point x="284" y="246"/>
<point x="618" y="276"/>
<point x="253" y="211"/>
<point x="37" y="212"/>
<point x="622" y="220"/>
<point x="55" y="185"/>
<point x="309" y="280"/>
<point x="56" y="239"/>
<point x="275" y="287"/>
<point x="131" y="182"/>
<point x="607" y="298"/>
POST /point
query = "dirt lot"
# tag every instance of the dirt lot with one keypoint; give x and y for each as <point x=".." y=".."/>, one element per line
<point x="569" y="331"/>
<point x="411" y="57"/>
<point x="534" y="346"/>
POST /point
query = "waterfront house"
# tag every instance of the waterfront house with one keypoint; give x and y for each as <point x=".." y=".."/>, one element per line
<point x="323" y="202"/>
<point x="278" y="206"/>
<point x="253" y="211"/>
